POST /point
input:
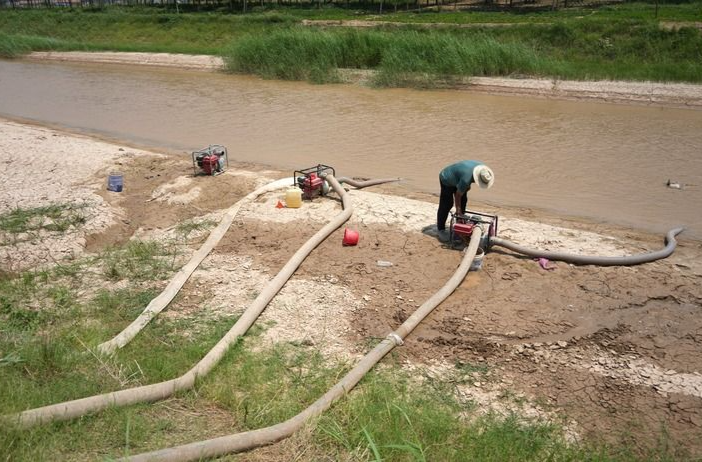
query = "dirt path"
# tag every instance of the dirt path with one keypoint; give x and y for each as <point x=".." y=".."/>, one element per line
<point x="610" y="353"/>
<point x="647" y="93"/>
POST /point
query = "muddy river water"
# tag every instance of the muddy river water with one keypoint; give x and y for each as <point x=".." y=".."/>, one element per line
<point x="598" y="160"/>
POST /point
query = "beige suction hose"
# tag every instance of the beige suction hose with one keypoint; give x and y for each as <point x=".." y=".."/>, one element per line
<point x="157" y="391"/>
<point x="628" y="260"/>
<point x="162" y="300"/>
<point x="248" y="440"/>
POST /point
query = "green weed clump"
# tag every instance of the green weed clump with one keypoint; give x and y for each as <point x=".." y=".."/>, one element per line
<point x="139" y="261"/>
<point x="56" y="218"/>
<point x="16" y="300"/>
<point x="186" y="228"/>
<point x="392" y="417"/>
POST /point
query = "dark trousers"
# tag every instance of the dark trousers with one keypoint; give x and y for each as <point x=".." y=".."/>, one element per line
<point x="445" y="204"/>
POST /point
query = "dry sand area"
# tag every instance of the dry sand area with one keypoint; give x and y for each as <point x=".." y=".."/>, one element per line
<point x="611" y="353"/>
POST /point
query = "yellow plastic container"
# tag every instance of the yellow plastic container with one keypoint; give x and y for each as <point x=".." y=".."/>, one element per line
<point x="293" y="198"/>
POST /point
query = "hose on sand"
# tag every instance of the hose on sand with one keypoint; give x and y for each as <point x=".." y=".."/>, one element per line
<point x="162" y="300"/>
<point x="251" y="439"/>
<point x="670" y="244"/>
<point x="158" y="391"/>
<point x="364" y="184"/>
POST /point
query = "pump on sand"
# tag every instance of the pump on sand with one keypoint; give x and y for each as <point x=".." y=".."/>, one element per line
<point x="311" y="180"/>
<point x="462" y="226"/>
<point x="211" y="160"/>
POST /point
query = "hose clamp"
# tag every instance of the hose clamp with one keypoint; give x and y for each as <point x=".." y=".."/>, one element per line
<point x="396" y="338"/>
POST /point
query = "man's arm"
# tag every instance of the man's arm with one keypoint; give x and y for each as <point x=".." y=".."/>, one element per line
<point x="457" y="202"/>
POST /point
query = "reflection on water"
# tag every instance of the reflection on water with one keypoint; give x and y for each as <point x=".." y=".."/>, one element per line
<point x="609" y="162"/>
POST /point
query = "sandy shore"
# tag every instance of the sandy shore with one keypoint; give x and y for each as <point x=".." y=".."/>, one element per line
<point x="595" y="349"/>
<point x="648" y="93"/>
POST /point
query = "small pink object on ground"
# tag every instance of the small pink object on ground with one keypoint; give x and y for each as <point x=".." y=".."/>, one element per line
<point x="545" y="263"/>
<point x="350" y="237"/>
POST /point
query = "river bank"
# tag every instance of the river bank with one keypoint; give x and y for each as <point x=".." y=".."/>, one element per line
<point x="644" y="93"/>
<point x="610" y="353"/>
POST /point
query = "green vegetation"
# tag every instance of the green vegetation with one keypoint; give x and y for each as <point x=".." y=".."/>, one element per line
<point x="128" y="30"/>
<point x="304" y="54"/>
<point x="567" y="50"/>
<point x="139" y="261"/>
<point x="186" y="228"/>
<point x="19" y="225"/>
<point x="615" y="42"/>
<point x="16" y="45"/>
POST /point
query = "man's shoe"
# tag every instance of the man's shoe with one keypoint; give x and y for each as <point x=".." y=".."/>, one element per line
<point x="443" y="235"/>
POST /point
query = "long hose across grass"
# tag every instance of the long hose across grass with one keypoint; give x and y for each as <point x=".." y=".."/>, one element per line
<point x="244" y="441"/>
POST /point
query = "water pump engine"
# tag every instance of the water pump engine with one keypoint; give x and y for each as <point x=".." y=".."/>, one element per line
<point x="311" y="181"/>
<point x="462" y="226"/>
<point x="211" y="160"/>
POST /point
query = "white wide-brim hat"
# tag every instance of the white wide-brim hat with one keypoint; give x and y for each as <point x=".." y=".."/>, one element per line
<point x="483" y="176"/>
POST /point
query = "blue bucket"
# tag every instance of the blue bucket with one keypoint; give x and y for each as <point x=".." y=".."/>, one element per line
<point x="115" y="182"/>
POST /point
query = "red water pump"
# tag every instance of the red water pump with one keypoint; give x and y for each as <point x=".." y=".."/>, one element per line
<point x="311" y="180"/>
<point x="211" y="160"/>
<point x="462" y="226"/>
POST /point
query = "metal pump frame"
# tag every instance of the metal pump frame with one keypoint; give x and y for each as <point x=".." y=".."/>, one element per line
<point x="208" y="151"/>
<point x="299" y="176"/>
<point x="477" y="219"/>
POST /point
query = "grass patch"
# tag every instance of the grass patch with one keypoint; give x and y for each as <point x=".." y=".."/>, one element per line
<point x="20" y="225"/>
<point x="139" y="261"/>
<point x="186" y="228"/>
<point x="264" y="388"/>
<point x="116" y="29"/>
<point x="16" y="45"/>
<point x="60" y="363"/>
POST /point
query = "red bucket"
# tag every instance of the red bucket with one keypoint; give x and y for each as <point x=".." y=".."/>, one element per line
<point x="350" y="237"/>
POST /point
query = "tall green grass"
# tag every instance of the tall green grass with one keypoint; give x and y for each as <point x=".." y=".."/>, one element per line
<point x="418" y="57"/>
<point x="303" y="54"/>
<point x="13" y="46"/>
<point x="628" y="50"/>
